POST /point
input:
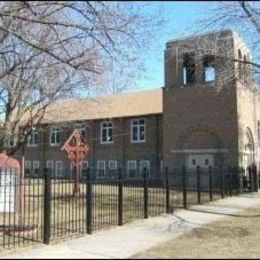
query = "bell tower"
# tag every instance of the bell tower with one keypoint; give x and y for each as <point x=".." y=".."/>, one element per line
<point x="201" y="123"/>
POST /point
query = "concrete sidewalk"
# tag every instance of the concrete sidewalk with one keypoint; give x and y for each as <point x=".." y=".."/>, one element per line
<point x="125" y="241"/>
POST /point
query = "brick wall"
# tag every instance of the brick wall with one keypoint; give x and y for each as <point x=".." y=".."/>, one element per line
<point x="121" y="150"/>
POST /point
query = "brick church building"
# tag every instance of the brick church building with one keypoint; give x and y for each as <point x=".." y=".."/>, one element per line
<point x="206" y="114"/>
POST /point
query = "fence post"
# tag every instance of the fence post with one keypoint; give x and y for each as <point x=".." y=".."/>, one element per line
<point x="230" y="181"/>
<point x="221" y="183"/>
<point x="250" y="178"/>
<point x="198" y="185"/>
<point x="184" y="187"/>
<point x="255" y="177"/>
<point x="47" y="208"/>
<point x="167" y="191"/>
<point x="89" y="203"/>
<point x="210" y="184"/>
<point x="236" y="180"/>
<point x="120" y="198"/>
<point x="145" y="193"/>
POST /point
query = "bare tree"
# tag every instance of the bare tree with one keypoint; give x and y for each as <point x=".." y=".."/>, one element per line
<point x="244" y="17"/>
<point x="52" y="50"/>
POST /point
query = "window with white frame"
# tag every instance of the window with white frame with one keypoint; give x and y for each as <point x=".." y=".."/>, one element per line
<point x="50" y="166"/>
<point x="36" y="167"/>
<point x="58" y="168"/>
<point x="144" y="164"/>
<point x="131" y="169"/>
<point x="27" y="167"/>
<point x="55" y="136"/>
<point x="161" y="166"/>
<point x="71" y="169"/>
<point x="32" y="139"/>
<point x="82" y="128"/>
<point x="112" y="167"/>
<point x="101" y="169"/>
<point x="106" y="132"/>
<point x="137" y="130"/>
<point x="83" y="168"/>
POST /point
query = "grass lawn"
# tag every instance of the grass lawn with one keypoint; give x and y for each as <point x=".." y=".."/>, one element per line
<point x="232" y="237"/>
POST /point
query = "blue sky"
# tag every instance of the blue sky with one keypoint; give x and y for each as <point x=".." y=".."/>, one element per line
<point x="181" y="20"/>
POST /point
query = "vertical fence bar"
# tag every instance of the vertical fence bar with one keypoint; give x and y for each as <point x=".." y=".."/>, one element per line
<point x="120" y="198"/>
<point x="250" y="178"/>
<point x="236" y="180"/>
<point x="167" y="191"/>
<point x="230" y="181"/>
<point x="198" y="185"/>
<point x="221" y="183"/>
<point x="210" y="184"/>
<point x="184" y="187"/>
<point x="254" y="170"/>
<point x="47" y="208"/>
<point x="89" y="203"/>
<point x="145" y="193"/>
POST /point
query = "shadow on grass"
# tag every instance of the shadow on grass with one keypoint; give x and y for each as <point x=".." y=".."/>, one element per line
<point x="225" y="213"/>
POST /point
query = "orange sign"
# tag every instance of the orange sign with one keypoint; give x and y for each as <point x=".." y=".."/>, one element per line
<point x="75" y="148"/>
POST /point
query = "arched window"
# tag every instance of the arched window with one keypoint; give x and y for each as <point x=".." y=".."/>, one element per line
<point x="209" y="72"/>
<point x="240" y="65"/>
<point x="188" y="69"/>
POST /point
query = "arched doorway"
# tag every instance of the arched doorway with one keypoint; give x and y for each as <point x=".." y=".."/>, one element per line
<point x="249" y="149"/>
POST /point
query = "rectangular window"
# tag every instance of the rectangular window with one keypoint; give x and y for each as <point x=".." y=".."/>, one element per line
<point x="27" y="167"/>
<point x="161" y="166"/>
<point x="131" y="169"/>
<point x="106" y="133"/>
<point x="194" y="162"/>
<point x="36" y="167"/>
<point x="50" y="167"/>
<point x="101" y="169"/>
<point x="112" y="167"/>
<point x="144" y="164"/>
<point x="83" y="168"/>
<point x="138" y="131"/>
<point x="82" y="128"/>
<point x="59" y="168"/>
<point x="32" y="139"/>
<point x="206" y="162"/>
<point x="55" y="136"/>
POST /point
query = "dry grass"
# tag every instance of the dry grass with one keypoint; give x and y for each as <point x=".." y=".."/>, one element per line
<point x="233" y="237"/>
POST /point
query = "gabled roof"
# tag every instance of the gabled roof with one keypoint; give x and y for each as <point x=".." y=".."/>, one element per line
<point x="124" y="105"/>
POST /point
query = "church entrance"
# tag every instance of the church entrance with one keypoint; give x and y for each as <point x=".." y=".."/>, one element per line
<point x="248" y="153"/>
<point x="202" y="160"/>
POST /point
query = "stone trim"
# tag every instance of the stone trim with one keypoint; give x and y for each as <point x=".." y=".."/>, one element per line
<point x="200" y="151"/>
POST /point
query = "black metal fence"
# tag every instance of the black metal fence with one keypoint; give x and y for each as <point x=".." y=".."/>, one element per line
<point x="44" y="208"/>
